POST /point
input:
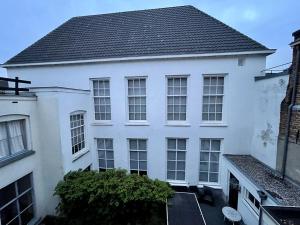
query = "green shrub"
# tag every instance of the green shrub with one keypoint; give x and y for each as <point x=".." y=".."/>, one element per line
<point x="111" y="197"/>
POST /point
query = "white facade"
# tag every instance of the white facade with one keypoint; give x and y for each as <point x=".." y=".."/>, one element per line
<point x="64" y="89"/>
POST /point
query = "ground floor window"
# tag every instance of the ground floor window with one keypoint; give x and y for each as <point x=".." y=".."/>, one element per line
<point x="176" y="154"/>
<point x="16" y="202"/>
<point x="252" y="201"/>
<point x="209" y="160"/>
<point x="105" y="153"/>
<point x="138" y="156"/>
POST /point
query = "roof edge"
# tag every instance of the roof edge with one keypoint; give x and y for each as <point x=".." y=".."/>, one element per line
<point x="260" y="52"/>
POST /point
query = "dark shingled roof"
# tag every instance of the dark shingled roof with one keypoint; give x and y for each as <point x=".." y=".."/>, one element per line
<point x="155" y="32"/>
<point x="282" y="191"/>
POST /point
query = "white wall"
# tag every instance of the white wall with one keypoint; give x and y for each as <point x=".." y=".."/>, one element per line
<point x="25" y="106"/>
<point x="236" y="129"/>
<point x="268" y="96"/>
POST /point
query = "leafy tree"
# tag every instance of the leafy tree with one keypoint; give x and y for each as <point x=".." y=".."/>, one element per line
<point x="112" y="198"/>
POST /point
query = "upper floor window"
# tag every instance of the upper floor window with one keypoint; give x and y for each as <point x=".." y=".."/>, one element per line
<point x="209" y="160"/>
<point x="176" y="98"/>
<point x="101" y="92"/>
<point x="138" y="156"/>
<point x="213" y="93"/>
<point x="12" y="137"/>
<point x="137" y="98"/>
<point x="77" y="131"/>
<point x="16" y="205"/>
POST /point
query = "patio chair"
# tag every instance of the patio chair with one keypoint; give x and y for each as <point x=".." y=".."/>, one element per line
<point x="206" y="196"/>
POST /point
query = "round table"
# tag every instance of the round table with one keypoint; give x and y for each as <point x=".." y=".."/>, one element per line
<point x="231" y="214"/>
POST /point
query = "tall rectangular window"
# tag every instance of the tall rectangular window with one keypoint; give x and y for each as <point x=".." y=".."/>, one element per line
<point x="176" y="98"/>
<point x="16" y="205"/>
<point x="105" y="153"/>
<point x="77" y="132"/>
<point x="176" y="154"/>
<point x="213" y="93"/>
<point x="137" y="98"/>
<point x="101" y="91"/>
<point x="138" y="156"/>
<point x="209" y="160"/>
<point x="12" y="137"/>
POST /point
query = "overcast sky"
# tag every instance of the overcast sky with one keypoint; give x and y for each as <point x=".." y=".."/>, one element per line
<point x="271" y="22"/>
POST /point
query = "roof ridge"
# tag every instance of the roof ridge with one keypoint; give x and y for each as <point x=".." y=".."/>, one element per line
<point x="138" y="10"/>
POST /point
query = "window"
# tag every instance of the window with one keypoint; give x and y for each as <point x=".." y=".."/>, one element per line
<point x="176" y="159"/>
<point x="213" y="92"/>
<point x="12" y="137"/>
<point x="101" y="92"/>
<point x="138" y="156"/>
<point x="77" y="132"/>
<point x="16" y="205"/>
<point x="137" y="98"/>
<point x="105" y="153"/>
<point x="252" y="201"/>
<point x="176" y="98"/>
<point x="209" y="160"/>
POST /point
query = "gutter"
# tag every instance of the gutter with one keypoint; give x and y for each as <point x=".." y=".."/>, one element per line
<point x="290" y="109"/>
<point x="263" y="52"/>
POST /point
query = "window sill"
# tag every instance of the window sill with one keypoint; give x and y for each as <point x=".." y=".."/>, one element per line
<point x="101" y="123"/>
<point x="16" y="157"/>
<point x="135" y="123"/>
<point x="212" y="185"/>
<point x="178" y="124"/>
<point x="216" y="124"/>
<point x="79" y="154"/>
<point x="177" y="182"/>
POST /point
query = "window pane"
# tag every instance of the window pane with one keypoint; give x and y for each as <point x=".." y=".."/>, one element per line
<point x="203" y="176"/>
<point x="171" y="165"/>
<point x="205" y="144"/>
<point x="133" y="144"/>
<point x="203" y="166"/>
<point x="143" y="165"/>
<point x="110" y="164"/>
<point x="180" y="165"/>
<point x="143" y="155"/>
<point x="134" y="155"/>
<point x="9" y="212"/>
<point x="142" y="145"/>
<point x="171" y="175"/>
<point x="7" y="194"/>
<point x="24" y="184"/>
<point x="181" y="144"/>
<point x="180" y="155"/>
<point x="214" y="167"/>
<point x="171" y="143"/>
<point x="27" y="215"/>
<point x="134" y="165"/>
<point x="101" y="154"/>
<point x="215" y="145"/>
<point x="109" y="154"/>
<point x="180" y="175"/>
<point x="25" y="200"/>
<point x="204" y="156"/>
<point x="171" y="155"/>
<point x="214" y="157"/>
<point x="213" y="177"/>
<point x="102" y="163"/>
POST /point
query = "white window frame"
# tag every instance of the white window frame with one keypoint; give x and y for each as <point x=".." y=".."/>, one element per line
<point x="209" y="153"/>
<point x="28" y="142"/>
<point x="105" y="153"/>
<point x="177" y="122"/>
<point x="85" y="149"/>
<point x="176" y="181"/>
<point x="250" y="203"/>
<point x="138" y="151"/>
<point x="18" y="196"/>
<point x="100" y="122"/>
<point x="136" y="122"/>
<point x="214" y="122"/>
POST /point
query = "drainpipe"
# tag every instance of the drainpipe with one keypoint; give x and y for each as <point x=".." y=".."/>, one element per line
<point x="295" y="45"/>
<point x="263" y="196"/>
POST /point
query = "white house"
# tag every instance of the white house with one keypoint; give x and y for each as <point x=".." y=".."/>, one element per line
<point x="163" y="92"/>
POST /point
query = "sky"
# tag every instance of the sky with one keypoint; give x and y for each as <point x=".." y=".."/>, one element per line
<point x="270" y="22"/>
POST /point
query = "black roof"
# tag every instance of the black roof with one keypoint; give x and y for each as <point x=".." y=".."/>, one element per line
<point x="282" y="191"/>
<point x="155" y="32"/>
<point x="284" y="215"/>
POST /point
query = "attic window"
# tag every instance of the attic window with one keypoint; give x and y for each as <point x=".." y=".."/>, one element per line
<point x="241" y="61"/>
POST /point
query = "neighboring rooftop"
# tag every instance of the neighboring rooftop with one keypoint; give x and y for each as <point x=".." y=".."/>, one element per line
<point x="284" y="215"/>
<point x="270" y="75"/>
<point x="282" y="191"/>
<point x="156" y="32"/>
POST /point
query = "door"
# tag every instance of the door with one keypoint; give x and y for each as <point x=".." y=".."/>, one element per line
<point x="234" y="189"/>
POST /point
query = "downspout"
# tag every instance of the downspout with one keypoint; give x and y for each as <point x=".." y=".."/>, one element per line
<point x="290" y="109"/>
<point x="262" y="195"/>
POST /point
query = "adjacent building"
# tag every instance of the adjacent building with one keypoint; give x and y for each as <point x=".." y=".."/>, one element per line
<point x="171" y="93"/>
